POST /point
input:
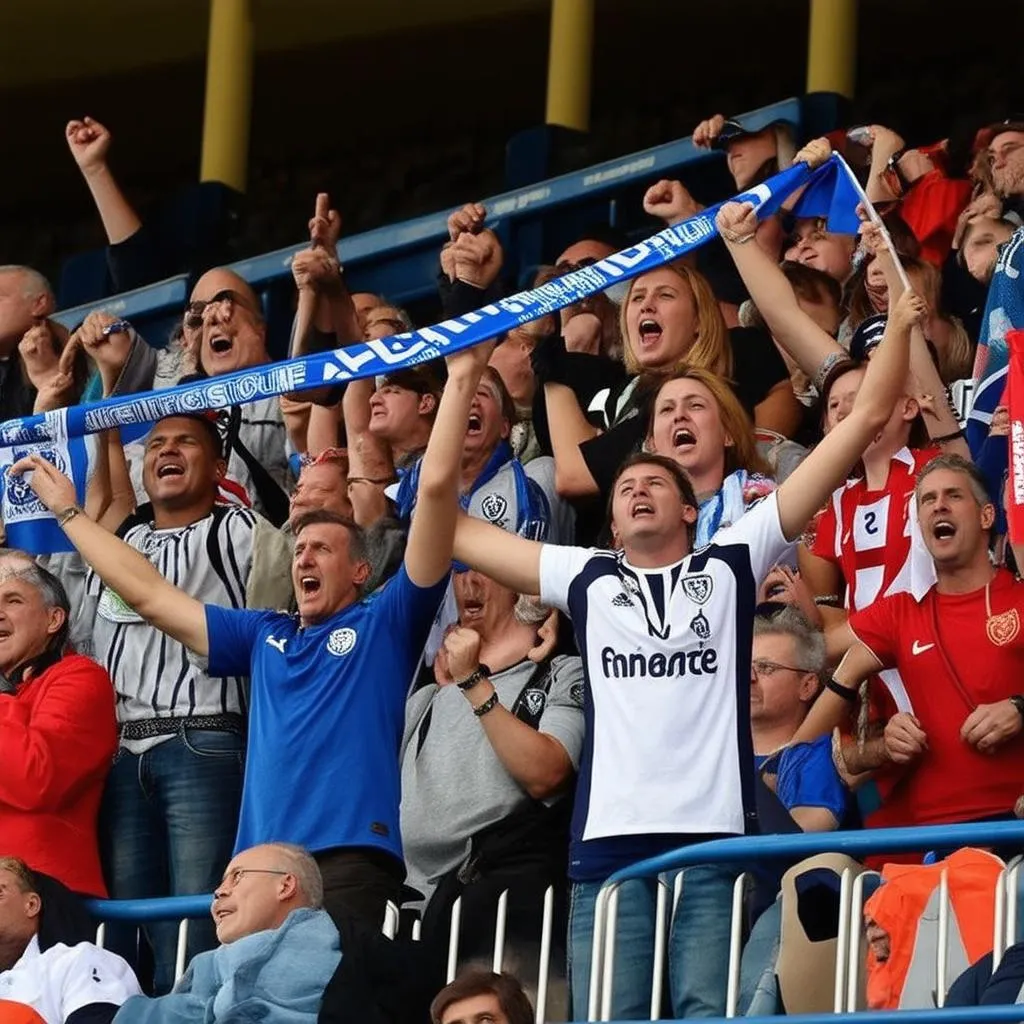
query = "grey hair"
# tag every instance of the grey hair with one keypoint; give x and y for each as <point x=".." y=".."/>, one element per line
<point x="808" y="641"/>
<point x="299" y="861"/>
<point x="530" y="611"/>
<point x="957" y="464"/>
<point x="50" y="588"/>
<point x="35" y="283"/>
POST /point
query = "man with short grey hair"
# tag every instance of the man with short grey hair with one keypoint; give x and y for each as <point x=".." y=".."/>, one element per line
<point x="26" y="301"/>
<point x="278" y="950"/>
<point x="57" y="731"/>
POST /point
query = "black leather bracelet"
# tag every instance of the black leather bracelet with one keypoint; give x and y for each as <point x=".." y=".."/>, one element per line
<point x="488" y="705"/>
<point x="946" y="438"/>
<point x="480" y="672"/>
<point x="848" y="693"/>
<point x="1017" y="700"/>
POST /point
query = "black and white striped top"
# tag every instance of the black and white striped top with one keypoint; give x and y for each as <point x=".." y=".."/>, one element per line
<point x="152" y="673"/>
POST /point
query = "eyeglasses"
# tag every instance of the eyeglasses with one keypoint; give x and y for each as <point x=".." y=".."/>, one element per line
<point x="226" y="300"/>
<point x="233" y="877"/>
<point x="764" y="667"/>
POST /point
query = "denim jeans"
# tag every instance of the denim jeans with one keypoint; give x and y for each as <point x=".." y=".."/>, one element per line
<point x="759" y="986"/>
<point x="167" y="828"/>
<point x="698" y="950"/>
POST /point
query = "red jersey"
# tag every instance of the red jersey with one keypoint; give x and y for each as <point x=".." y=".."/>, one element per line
<point x="868" y="533"/>
<point x="58" y="735"/>
<point x="951" y="781"/>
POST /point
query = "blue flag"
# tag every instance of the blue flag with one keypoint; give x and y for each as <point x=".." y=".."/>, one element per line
<point x="829" y="193"/>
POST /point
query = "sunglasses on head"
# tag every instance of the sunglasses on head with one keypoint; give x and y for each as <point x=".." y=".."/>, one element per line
<point x="195" y="311"/>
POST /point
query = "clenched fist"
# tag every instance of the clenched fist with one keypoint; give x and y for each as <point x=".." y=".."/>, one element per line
<point x="324" y="225"/>
<point x="815" y="153"/>
<point x="467" y="220"/>
<point x="736" y="222"/>
<point x="707" y="131"/>
<point x="477" y="259"/>
<point x="910" y="309"/>
<point x="462" y="647"/>
<point x="316" y="269"/>
<point x="89" y="143"/>
<point x="670" y="201"/>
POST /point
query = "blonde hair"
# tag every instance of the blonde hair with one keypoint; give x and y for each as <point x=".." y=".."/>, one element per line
<point x="742" y="453"/>
<point x="711" y="349"/>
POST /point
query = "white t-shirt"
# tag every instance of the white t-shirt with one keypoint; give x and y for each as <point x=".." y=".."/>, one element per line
<point x="64" y="979"/>
<point x="666" y="655"/>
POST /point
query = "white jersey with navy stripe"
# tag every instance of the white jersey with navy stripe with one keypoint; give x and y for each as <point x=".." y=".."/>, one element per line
<point x="666" y="655"/>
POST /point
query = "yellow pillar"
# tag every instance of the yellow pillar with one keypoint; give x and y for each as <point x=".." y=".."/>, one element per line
<point x="832" y="47"/>
<point x="569" y="61"/>
<point x="229" y="55"/>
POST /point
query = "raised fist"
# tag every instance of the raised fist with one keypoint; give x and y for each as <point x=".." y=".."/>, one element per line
<point x="736" y="222"/>
<point x="325" y="224"/>
<point x="462" y="646"/>
<point x="56" y="392"/>
<point x="477" y="258"/>
<point x="316" y="269"/>
<point x="815" y="153"/>
<point x="108" y="351"/>
<point x="910" y="309"/>
<point x="37" y="349"/>
<point x="670" y="201"/>
<point x="469" y="220"/>
<point x="707" y="131"/>
<point x="89" y="143"/>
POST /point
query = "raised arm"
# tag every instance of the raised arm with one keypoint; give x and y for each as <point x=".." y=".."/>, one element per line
<point x="428" y="554"/>
<point x="928" y="389"/>
<point x="772" y="293"/>
<point x="119" y="565"/>
<point x="89" y="143"/>
<point x="369" y="459"/>
<point x="832" y="708"/>
<point x="825" y="468"/>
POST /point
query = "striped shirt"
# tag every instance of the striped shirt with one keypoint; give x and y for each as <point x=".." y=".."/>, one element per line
<point x="152" y="673"/>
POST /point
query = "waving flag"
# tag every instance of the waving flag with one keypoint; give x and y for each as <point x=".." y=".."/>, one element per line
<point x="829" y="193"/>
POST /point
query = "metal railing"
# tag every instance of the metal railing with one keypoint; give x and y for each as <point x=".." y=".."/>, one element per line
<point x="744" y="850"/>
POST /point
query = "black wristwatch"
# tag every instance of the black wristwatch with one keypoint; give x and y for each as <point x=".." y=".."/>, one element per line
<point x="1017" y="700"/>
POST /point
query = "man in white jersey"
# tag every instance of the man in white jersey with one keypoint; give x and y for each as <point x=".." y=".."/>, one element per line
<point x="61" y="983"/>
<point x="665" y="634"/>
<point x="170" y="806"/>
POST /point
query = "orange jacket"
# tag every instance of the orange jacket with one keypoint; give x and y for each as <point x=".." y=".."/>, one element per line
<point x="906" y="907"/>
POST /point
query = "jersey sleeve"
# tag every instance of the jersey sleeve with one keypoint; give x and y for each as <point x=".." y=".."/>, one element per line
<point x="563" y="712"/>
<point x="561" y="518"/>
<point x="808" y="778"/>
<point x="822" y="533"/>
<point x="409" y="609"/>
<point x="95" y="976"/>
<point x="232" y="635"/>
<point x="760" y="529"/>
<point x="559" y="566"/>
<point x="877" y="628"/>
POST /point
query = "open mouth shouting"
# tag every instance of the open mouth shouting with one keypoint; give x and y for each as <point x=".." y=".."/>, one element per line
<point x="943" y="530"/>
<point x="475" y="426"/>
<point x="169" y="469"/>
<point x="221" y="344"/>
<point x="650" y="332"/>
<point x="309" y="585"/>
<point x="683" y="439"/>
<point x="641" y="509"/>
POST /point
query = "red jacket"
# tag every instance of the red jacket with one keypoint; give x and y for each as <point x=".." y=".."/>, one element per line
<point x="58" y="735"/>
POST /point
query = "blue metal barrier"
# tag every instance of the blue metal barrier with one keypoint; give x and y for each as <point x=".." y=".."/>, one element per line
<point x="400" y="260"/>
<point x="170" y="908"/>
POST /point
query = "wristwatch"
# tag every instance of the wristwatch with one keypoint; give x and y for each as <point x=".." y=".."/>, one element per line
<point x="1017" y="700"/>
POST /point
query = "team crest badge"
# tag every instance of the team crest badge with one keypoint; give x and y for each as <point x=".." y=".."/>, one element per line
<point x="341" y="641"/>
<point x="1003" y="628"/>
<point x="700" y="626"/>
<point x="494" y="507"/>
<point x="698" y="587"/>
<point x="535" y="701"/>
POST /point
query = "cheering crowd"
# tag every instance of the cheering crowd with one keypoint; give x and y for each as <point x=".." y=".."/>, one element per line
<point x="702" y="555"/>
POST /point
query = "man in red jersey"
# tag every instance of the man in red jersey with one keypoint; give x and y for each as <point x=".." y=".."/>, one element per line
<point x="960" y="652"/>
<point x="58" y="732"/>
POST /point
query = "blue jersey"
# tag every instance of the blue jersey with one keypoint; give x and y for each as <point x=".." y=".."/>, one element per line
<point x="326" y="715"/>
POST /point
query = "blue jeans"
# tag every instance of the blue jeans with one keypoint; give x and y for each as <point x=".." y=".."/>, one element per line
<point x="759" y="986"/>
<point x="167" y="828"/>
<point x="698" y="950"/>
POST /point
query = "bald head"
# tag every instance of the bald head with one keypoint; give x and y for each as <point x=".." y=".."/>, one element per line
<point x="221" y="279"/>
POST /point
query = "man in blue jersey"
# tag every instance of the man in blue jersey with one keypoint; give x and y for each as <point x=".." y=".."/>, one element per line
<point x="665" y="635"/>
<point x="328" y="685"/>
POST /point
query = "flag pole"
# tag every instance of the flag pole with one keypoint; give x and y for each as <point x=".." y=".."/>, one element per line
<point x="875" y="219"/>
